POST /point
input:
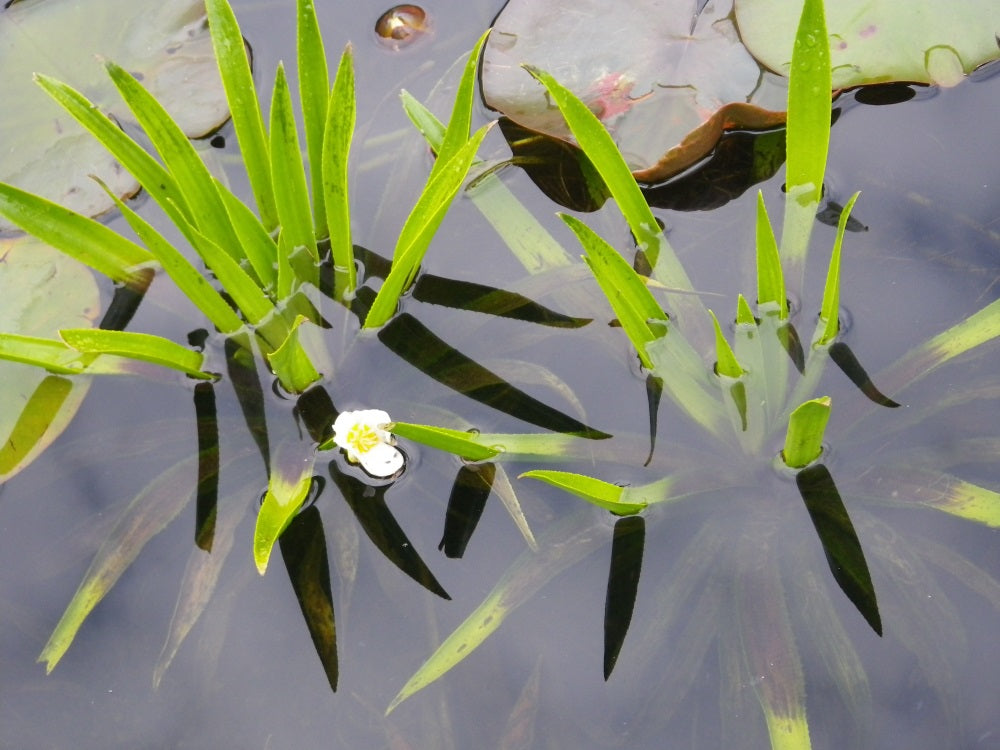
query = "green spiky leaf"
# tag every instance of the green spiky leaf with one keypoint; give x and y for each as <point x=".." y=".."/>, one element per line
<point x="291" y="478"/>
<point x="600" y="493"/>
<point x="830" y="311"/>
<point x="770" y="277"/>
<point x="244" y="104"/>
<point x="338" y="131"/>
<point x="468" y="445"/>
<point x="806" y="427"/>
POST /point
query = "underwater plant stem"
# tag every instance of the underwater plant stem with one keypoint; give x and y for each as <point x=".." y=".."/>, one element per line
<point x="771" y="656"/>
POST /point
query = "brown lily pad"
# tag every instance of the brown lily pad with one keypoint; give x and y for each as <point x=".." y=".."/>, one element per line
<point x="665" y="78"/>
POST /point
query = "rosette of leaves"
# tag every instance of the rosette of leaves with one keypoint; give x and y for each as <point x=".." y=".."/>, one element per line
<point x="264" y="279"/>
<point x="747" y="586"/>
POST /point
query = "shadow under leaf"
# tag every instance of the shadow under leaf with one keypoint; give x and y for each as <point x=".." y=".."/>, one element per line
<point x="466" y="503"/>
<point x="126" y="300"/>
<point x="844" y="358"/>
<point x="654" y="392"/>
<point x="415" y="343"/>
<point x="467" y="295"/>
<point x="369" y="507"/>
<point x="303" y="548"/>
<point x="792" y="344"/>
<point x="623" y="583"/>
<point x="561" y="170"/>
<point x="207" y="491"/>
<point x="243" y="375"/>
<point x="840" y="541"/>
<point x="317" y="413"/>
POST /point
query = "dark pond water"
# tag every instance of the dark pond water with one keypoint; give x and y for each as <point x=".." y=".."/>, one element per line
<point x="248" y="676"/>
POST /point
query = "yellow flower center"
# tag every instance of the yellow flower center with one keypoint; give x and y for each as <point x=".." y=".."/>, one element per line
<point x="362" y="438"/>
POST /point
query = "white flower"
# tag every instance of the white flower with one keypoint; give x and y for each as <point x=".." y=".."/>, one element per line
<point x="363" y="435"/>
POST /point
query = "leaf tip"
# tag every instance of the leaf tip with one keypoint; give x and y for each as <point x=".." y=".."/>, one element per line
<point x="261" y="556"/>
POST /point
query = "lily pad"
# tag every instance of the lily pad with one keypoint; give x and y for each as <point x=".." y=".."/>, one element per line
<point x="665" y="77"/>
<point x="875" y="41"/>
<point x="669" y="77"/>
<point x="43" y="291"/>
<point x="163" y="42"/>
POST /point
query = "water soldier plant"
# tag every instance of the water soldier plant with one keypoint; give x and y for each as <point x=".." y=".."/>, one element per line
<point x="268" y="267"/>
<point x="756" y="403"/>
<point x="266" y="277"/>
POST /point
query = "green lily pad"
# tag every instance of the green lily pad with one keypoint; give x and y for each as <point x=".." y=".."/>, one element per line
<point x="163" y="42"/>
<point x="875" y="41"/>
<point x="664" y="78"/>
<point x="43" y="291"/>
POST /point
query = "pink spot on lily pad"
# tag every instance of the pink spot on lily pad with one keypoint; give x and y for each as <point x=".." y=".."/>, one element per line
<point x="612" y="95"/>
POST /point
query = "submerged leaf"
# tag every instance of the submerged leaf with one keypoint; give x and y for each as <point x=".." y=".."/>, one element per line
<point x="43" y="292"/>
<point x="908" y="486"/>
<point x="145" y="517"/>
<point x="569" y="542"/>
<point x="971" y="332"/>
<point x="770" y="653"/>
<point x="505" y="491"/>
<point x="519" y="733"/>
<point x="198" y="584"/>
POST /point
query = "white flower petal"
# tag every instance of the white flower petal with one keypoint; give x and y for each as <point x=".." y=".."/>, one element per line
<point x="383" y="460"/>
